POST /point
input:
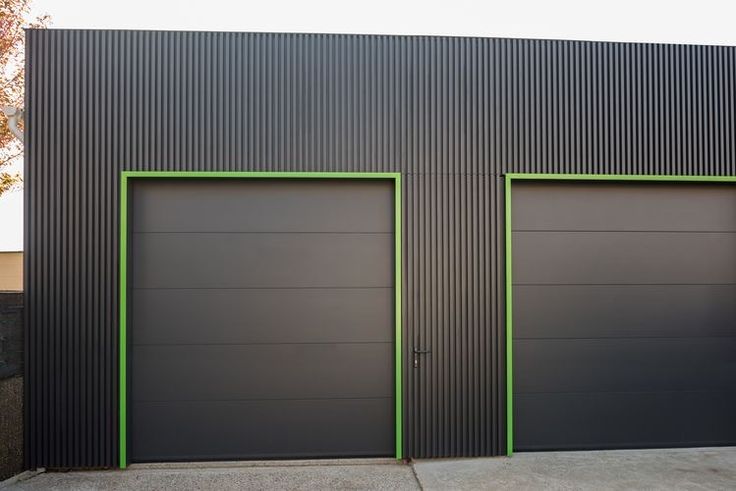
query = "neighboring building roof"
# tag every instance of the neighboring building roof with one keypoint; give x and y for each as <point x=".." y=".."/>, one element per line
<point x="11" y="270"/>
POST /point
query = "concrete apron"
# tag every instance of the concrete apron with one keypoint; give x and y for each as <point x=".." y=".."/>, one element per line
<point x="660" y="469"/>
<point x="666" y="469"/>
<point x="320" y="474"/>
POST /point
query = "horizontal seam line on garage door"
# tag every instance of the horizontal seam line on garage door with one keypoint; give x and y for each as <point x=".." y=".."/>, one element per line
<point x="718" y="336"/>
<point x="624" y="284"/>
<point x="694" y="391"/>
<point x="267" y="288"/>
<point x="158" y="401"/>
<point x="261" y="344"/>
<point x="630" y="231"/>
<point x="263" y="233"/>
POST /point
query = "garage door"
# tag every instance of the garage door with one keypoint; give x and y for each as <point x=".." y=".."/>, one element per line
<point x="624" y="315"/>
<point x="261" y="319"/>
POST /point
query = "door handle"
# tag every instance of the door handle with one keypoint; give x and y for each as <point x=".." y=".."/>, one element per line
<point x="418" y="352"/>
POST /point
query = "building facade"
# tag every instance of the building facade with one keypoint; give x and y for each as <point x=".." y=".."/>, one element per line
<point x="11" y="271"/>
<point x="289" y="245"/>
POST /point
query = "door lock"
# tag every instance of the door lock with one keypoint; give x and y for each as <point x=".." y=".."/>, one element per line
<point x="418" y="352"/>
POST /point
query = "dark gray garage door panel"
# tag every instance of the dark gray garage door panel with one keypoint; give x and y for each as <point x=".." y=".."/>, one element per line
<point x="624" y="206"/>
<point x="262" y="206"/>
<point x="651" y="310"/>
<point x="271" y="260"/>
<point x="216" y="430"/>
<point x="624" y="315"/>
<point x="261" y="319"/>
<point x="624" y="257"/>
<point x="256" y="315"/>
<point x="625" y="364"/>
<point x="267" y="371"/>
<point x="562" y="420"/>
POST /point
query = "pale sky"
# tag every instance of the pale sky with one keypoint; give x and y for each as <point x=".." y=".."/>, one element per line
<point x="666" y="21"/>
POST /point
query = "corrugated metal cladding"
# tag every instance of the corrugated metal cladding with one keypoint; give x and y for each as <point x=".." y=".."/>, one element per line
<point x="452" y="114"/>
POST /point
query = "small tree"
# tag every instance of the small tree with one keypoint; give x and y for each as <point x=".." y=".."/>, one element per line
<point x="14" y="16"/>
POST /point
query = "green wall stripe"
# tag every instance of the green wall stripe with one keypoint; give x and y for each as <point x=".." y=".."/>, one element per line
<point x="263" y="175"/>
<point x="620" y="177"/>
<point x="397" y="321"/>
<point x="123" y="342"/>
<point x="125" y="175"/>
<point x="509" y="325"/>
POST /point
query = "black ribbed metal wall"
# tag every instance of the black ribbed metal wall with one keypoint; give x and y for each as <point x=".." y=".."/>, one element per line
<point x="452" y="114"/>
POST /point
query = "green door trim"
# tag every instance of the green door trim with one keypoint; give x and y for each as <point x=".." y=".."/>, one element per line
<point x="508" y="266"/>
<point x="125" y="176"/>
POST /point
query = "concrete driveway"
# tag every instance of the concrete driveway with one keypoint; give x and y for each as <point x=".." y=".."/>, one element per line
<point x="706" y="468"/>
<point x="696" y="469"/>
<point x="299" y="475"/>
